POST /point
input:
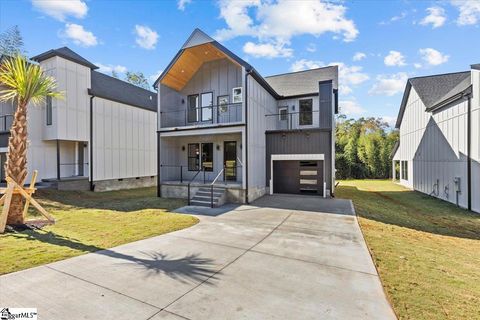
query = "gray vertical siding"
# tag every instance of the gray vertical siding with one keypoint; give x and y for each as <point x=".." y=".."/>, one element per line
<point x="260" y="103"/>
<point x="300" y="142"/>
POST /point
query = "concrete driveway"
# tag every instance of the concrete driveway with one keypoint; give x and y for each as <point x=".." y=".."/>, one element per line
<point x="283" y="257"/>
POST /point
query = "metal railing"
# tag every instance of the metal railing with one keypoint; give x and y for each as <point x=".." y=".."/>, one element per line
<point x="181" y="116"/>
<point x="6" y="122"/>
<point x="292" y="120"/>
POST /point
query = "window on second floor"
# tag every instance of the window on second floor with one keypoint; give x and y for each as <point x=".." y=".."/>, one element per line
<point x="48" y="108"/>
<point x="283" y="114"/>
<point x="306" y="112"/>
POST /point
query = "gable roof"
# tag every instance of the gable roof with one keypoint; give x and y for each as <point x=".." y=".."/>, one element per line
<point x="302" y="82"/>
<point x="107" y="87"/>
<point x="65" y="53"/>
<point x="196" y="38"/>
<point x="434" y="90"/>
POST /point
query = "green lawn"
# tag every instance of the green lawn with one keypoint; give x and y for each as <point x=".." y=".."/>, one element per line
<point x="426" y="250"/>
<point x="87" y="222"/>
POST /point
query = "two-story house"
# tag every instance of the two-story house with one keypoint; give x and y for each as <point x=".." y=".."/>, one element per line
<point x="225" y="133"/>
<point x="99" y="136"/>
<point x="439" y="151"/>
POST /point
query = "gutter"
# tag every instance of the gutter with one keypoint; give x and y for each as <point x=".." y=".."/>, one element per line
<point x="92" y="186"/>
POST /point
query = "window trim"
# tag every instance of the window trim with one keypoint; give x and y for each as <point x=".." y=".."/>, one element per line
<point x="197" y="115"/>
<point x="49" y="111"/>
<point x="280" y="113"/>
<point x="202" y="107"/>
<point x="197" y="157"/>
<point x="300" y="112"/>
<point x="236" y="96"/>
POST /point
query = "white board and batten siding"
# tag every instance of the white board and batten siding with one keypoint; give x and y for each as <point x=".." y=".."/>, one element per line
<point x="124" y="143"/>
<point x="435" y="146"/>
<point x="259" y="103"/>
<point x="70" y="114"/>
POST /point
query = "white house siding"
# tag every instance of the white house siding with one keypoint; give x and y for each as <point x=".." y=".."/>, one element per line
<point x="259" y="104"/>
<point x="124" y="144"/>
<point x="434" y="144"/>
<point x="293" y="106"/>
<point x="70" y="113"/>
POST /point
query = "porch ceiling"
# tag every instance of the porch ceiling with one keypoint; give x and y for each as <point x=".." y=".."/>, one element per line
<point x="189" y="62"/>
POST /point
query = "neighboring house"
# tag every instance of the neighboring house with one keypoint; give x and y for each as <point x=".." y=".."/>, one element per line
<point x="439" y="122"/>
<point x="220" y="123"/>
<point x="100" y="136"/>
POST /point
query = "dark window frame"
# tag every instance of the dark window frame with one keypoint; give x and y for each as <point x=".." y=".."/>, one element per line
<point x="305" y="117"/>
<point x="211" y="158"/>
<point x="49" y="111"/>
<point x="281" y="115"/>
<point x="196" y="157"/>
<point x="206" y="107"/>
<point x="196" y="115"/>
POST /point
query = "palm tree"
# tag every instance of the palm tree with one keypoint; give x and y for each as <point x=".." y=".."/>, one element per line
<point x="24" y="83"/>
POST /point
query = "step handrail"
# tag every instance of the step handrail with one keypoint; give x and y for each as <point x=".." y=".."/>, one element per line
<point x="212" y="184"/>
<point x="190" y="182"/>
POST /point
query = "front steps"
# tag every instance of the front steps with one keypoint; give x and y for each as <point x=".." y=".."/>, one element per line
<point x="203" y="197"/>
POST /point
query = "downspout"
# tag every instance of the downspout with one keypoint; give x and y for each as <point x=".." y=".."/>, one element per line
<point x="469" y="158"/>
<point x="92" y="186"/>
<point x="159" y="187"/>
<point x="246" y="135"/>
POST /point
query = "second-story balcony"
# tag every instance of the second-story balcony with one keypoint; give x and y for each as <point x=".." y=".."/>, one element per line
<point x="198" y="116"/>
<point x="292" y="120"/>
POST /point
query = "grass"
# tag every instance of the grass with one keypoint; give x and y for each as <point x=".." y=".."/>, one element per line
<point x="87" y="222"/>
<point x="427" y="251"/>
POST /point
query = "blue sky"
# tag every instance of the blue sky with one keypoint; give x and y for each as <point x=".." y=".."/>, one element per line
<point x="378" y="44"/>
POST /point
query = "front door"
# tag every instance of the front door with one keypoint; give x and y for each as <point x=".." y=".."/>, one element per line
<point x="230" y="160"/>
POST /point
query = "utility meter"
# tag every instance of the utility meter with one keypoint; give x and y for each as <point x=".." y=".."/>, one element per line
<point x="456" y="181"/>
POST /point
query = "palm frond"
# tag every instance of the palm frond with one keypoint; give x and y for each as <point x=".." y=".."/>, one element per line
<point x="24" y="81"/>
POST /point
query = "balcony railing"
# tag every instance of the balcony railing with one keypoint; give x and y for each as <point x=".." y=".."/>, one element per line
<point x="6" y="122"/>
<point x="292" y="120"/>
<point x="225" y="113"/>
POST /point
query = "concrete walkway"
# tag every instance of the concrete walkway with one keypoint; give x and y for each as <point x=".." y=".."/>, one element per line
<point x="283" y="257"/>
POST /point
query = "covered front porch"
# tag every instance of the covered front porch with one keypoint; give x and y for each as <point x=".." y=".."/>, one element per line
<point x="190" y="161"/>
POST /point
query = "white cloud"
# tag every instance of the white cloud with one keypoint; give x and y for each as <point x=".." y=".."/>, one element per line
<point x="401" y="16"/>
<point x="359" y="56"/>
<point x="469" y="11"/>
<point x="417" y="65"/>
<point x="304" y="64"/>
<point x="350" y="107"/>
<point x="267" y="50"/>
<point x="155" y="76"/>
<point x="390" y="120"/>
<point x="108" y="68"/>
<point x="61" y="9"/>
<point x="436" y="17"/>
<point x="277" y="22"/>
<point x="389" y="85"/>
<point x="181" y="4"/>
<point x="394" y="58"/>
<point x="433" y="57"/>
<point x="311" y="47"/>
<point x="146" y="37"/>
<point x="79" y="35"/>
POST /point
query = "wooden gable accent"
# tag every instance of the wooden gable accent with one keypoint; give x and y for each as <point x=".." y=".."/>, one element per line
<point x="188" y="64"/>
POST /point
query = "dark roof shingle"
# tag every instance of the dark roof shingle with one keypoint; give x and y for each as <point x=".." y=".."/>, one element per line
<point x="114" y="89"/>
<point x="302" y="82"/>
<point x="65" y="53"/>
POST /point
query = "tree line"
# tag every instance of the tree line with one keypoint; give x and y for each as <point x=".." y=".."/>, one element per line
<point x="363" y="147"/>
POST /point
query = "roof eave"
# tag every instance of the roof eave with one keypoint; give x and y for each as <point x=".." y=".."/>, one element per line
<point x="451" y="99"/>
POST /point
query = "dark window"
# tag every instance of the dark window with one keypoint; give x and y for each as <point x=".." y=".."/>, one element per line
<point x="49" y="110"/>
<point x="404" y="169"/>
<point x="283" y="114"/>
<point x="222" y="104"/>
<point x="193" y="157"/>
<point x="207" y="103"/>
<point x="207" y="156"/>
<point x="193" y="110"/>
<point x="306" y="117"/>
<point x="307" y="163"/>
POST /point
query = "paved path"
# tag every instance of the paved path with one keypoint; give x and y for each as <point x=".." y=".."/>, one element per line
<point x="284" y="257"/>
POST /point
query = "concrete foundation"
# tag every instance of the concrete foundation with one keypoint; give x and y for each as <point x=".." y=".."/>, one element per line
<point x="126" y="183"/>
<point x="234" y="194"/>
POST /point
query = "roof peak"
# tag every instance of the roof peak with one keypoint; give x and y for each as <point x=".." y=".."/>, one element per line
<point x="66" y="53"/>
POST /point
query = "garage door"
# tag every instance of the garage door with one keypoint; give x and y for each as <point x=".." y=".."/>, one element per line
<point x="298" y="177"/>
